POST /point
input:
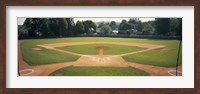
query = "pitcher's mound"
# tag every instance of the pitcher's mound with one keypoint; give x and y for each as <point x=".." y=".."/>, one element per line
<point x="37" y="49"/>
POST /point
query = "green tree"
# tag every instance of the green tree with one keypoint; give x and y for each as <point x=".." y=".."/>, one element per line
<point x="121" y="26"/>
<point x="71" y="25"/>
<point x="146" y="28"/>
<point x="129" y="28"/>
<point x="53" y="27"/>
<point x="162" y="26"/>
<point x="44" y="29"/>
<point x="62" y="27"/>
<point x="27" y="23"/>
<point x="180" y="27"/>
<point x="132" y="20"/>
<point x="126" y="28"/>
<point x="79" y="28"/>
<point x="124" y="21"/>
<point x="33" y="32"/>
<point x="90" y="26"/>
<point x="106" y="29"/>
<point x="101" y="24"/>
<point x="23" y="30"/>
<point x="139" y="26"/>
<point x="175" y="26"/>
<point x="113" y="25"/>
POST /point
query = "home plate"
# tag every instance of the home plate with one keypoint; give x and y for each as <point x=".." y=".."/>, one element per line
<point x="94" y="60"/>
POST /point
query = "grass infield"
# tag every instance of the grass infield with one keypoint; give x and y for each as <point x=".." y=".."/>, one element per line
<point x="99" y="71"/>
<point x="111" y="49"/>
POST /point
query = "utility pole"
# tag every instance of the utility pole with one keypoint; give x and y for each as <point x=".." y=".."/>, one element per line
<point x="178" y="56"/>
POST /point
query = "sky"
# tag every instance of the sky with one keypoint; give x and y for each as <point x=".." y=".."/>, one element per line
<point x="21" y="20"/>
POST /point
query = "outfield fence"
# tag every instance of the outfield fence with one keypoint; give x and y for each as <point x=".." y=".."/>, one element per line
<point x="111" y="35"/>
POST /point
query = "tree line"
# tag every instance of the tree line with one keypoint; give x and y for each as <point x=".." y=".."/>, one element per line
<point x="63" y="27"/>
<point x="161" y="26"/>
<point x="55" y="27"/>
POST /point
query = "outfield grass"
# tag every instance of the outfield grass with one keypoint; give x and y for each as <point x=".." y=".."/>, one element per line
<point x="44" y="56"/>
<point x="165" y="57"/>
<point x="99" y="71"/>
<point x="157" y="57"/>
<point x="90" y="49"/>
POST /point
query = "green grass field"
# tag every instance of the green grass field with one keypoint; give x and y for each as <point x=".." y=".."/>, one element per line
<point x="44" y="56"/>
<point x="99" y="71"/>
<point x="156" y="57"/>
<point x="90" y="49"/>
<point x="159" y="57"/>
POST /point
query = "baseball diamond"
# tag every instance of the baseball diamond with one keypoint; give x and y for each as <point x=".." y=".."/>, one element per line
<point x="98" y="56"/>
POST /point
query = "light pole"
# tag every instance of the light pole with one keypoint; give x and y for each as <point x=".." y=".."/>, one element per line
<point x="178" y="56"/>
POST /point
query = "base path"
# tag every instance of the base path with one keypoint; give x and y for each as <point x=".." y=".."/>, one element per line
<point x="93" y="60"/>
<point x="147" y="47"/>
<point x="155" y="70"/>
